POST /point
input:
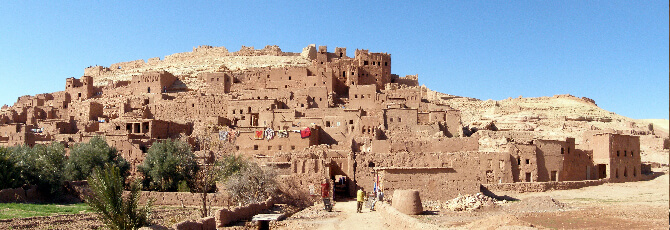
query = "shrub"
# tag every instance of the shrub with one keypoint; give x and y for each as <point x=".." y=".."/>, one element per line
<point x="167" y="164"/>
<point x="107" y="200"/>
<point x="11" y="175"/>
<point x="251" y="184"/>
<point x="85" y="157"/>
<point x="41" y="165"/>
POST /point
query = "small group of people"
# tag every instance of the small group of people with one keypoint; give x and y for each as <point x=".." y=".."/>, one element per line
<point x="377" y="195"/>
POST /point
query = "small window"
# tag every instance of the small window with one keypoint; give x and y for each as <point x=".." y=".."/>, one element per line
<point x="527" y="161"/>
<point x="79" y="94"/>
<point x="292" y="147"/>
<point x="279" y="147"/>
<point x="617" y="153"/>
<point x="568" y="150"/>
<point x="255" y="147"/>
<point x="192" y="105"/>
<point x="327" y="123"/>
<point x="365" y="62"/>
<point x="391" y="119"/>
<point x="562" y="150"/>
<point x="386" y="63"/>
<point x="625" y="152"/>
<point x="289" y="77"/>
<point x="399" y="119"/>
<point x="269" y="147"/>
<point x="237" y="147"/>
<point x="118" y="127"/>
<point x="351" y="122"/>
<point x="518" y="160"/>
<point x="631" y="153"/>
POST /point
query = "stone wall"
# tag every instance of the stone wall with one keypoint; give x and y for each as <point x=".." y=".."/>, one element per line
<point x="522" y="187"/>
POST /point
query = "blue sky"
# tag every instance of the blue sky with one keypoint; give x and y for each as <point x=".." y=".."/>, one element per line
<point x="615" y="52"/>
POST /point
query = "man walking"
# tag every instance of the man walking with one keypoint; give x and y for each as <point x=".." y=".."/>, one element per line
<point x="360" y="197"/>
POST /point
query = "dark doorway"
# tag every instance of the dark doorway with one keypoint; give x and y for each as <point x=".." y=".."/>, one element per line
<point x="528" y="177"/>
<point x="602" y="171"/>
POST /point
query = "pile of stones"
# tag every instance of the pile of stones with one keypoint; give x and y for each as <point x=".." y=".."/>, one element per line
<point x="470" y="202"/>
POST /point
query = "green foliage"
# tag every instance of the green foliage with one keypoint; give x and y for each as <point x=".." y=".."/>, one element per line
<point x="41" y="165"/>
<point x="11" y="175"/>
<point x="183" y="187"/>
<point x="85" y="157"/>
<point x="251" y="184"/>
<point x="229" y="165"/>
<point x="23" y="210"/>
<point x="168" y="163"/>
<point x="107" y="200"/>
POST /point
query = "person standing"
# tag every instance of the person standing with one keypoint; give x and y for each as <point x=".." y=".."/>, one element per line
<point x="378" y="197"/>
<point x="325" y="195"/>
<point x="360" y="197"/>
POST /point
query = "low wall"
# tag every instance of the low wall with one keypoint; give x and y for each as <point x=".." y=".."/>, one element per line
<point x="80" y="189"/>
<point x="183" y="198"/>
<point x="11" y="195"/>
<point x="522" y="187"/>
<point x="398" y="220"/>
<point x="226" y="216"/>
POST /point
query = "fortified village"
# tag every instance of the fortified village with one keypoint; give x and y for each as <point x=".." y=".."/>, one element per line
<point x="319" y="114"/>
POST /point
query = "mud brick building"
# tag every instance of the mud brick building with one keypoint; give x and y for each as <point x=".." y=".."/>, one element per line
<point x="309" y="115"/>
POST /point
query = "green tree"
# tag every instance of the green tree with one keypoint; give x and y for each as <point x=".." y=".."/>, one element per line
<point x="41" y="165"/>
<point x="11" y="175"/>
<point x="168" y="163"/>
<point x="108" y="201"/>
<point x="85" y="157"/>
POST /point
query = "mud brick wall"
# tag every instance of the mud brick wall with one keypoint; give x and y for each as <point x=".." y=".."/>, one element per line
<point x="541" y="186"/>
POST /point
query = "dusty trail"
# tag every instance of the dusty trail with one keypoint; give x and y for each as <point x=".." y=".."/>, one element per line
<point x="346" y="218"/>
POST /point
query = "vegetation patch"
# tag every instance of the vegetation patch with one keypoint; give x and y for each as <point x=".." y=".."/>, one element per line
<point x="21" y="210"/>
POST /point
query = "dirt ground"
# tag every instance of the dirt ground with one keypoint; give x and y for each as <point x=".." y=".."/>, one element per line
<point x="632" y="205"/>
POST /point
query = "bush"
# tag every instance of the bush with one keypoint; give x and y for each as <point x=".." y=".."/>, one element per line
<point x="251" y="184"/>
<point x="11" y="175"/>
<point x="85" y="157"/>
<point x="41" y="165"/>
<point x="167" y="164"/>
<point x="107" y="200"/>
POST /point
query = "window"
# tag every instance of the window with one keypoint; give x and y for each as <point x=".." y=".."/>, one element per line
<point x="386" y="63"/>
<point x="568" y="150"/>
<point x="255" y="147"/>
<point x="118" y="127"/>
<point x="289" y="77"/>
<point x="391" y="119"/>
<point x="355" y="95"/>
<point x="631" y="153"/>
<point x="292" y="147"/>
<point x="624" y="154"/>
<point x="365" y="62"/>
<point x="79" y="94"/>
<point x="518" y="160"/>
<point x="351" y="122"/>
<point x="327" y="123"/>
<point x="269" y="147"/>
<point x="617" y="153"/>
<point x="279" y="147"/>
<point x="399" y="119"/>
<point x="617" y="173"/>
<point x="527" y="161"/>
<point x="562" y="150"/>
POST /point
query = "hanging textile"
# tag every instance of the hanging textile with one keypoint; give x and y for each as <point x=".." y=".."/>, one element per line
<point x="282" y="133"/>
<point x="269" y="133"/>
<point x="223" y="135"/>
<point x="305" y="133"/>
<point x="259" y="135"/>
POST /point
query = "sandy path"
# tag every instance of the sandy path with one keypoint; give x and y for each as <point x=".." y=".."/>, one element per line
<point x="345" y="218"/>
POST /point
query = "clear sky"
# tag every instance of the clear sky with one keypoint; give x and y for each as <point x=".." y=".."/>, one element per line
<point x="615" y="52"/>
